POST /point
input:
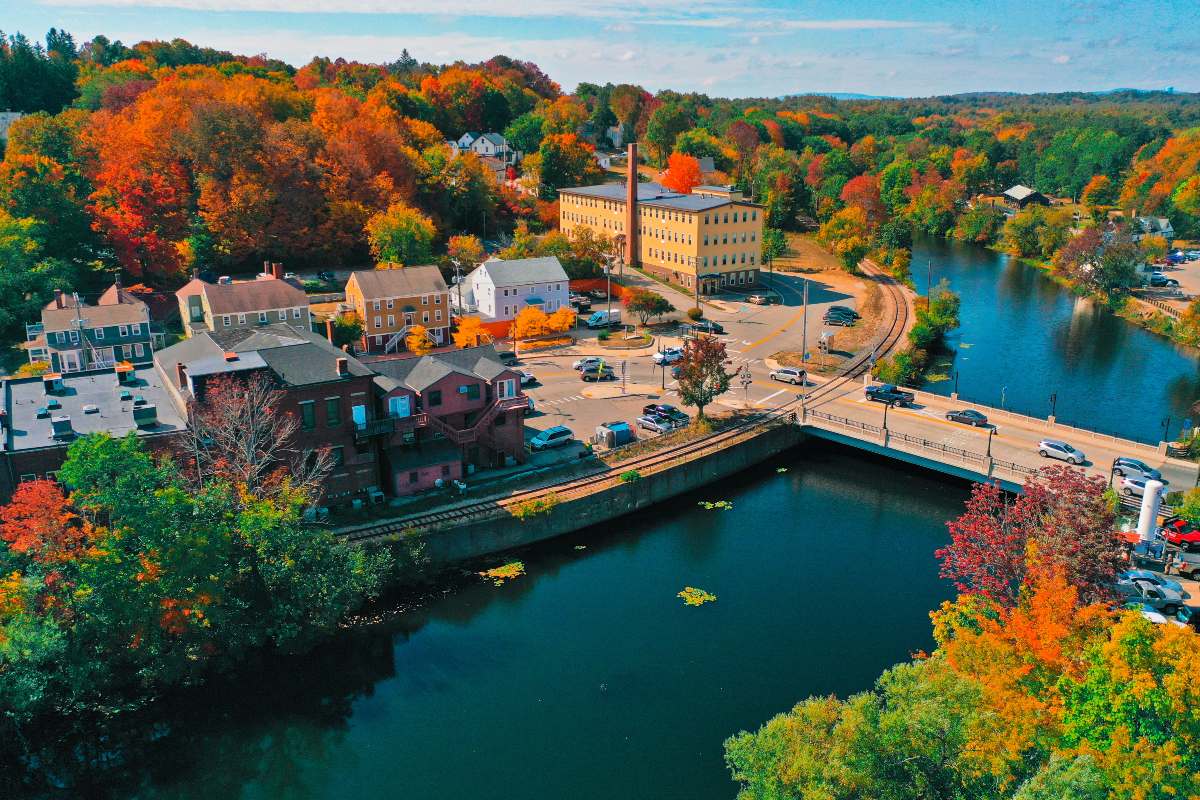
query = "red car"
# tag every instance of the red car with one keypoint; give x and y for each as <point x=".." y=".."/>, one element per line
<point x="1181" y="534"/>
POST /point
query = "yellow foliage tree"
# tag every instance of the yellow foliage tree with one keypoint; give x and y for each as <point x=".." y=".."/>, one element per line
<point x="562" y="320"/>
<point x="470" y="333"/>
<point x="418" y="341"/>
<point x="530" y="323"/>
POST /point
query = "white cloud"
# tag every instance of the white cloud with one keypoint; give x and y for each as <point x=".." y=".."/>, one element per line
<point x="1061" y="58"/>
<point x="628" y="55"/>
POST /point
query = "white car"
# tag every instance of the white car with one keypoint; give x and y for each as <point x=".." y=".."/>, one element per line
<point x="668" y="355"/>
<point x="1053" y="448"/>
<point x="588" y="361"/>
<point x="796" y="377"/>
<point x="527" y="378"/>
<point x="1136" y="487"/>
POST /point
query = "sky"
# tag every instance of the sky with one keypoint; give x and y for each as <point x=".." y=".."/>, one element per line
<point x="752" y="48"/>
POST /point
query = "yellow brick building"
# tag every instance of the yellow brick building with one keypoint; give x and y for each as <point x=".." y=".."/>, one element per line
<point x="712" y="233"/>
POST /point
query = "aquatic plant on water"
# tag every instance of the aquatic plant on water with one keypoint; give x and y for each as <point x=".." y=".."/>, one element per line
<point x="696" y="597"/>
<point x="502" y="574"/>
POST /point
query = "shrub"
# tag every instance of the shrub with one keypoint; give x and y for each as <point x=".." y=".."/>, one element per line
<point x="632" y="476"/>
<point x="531" y="508"/>
<point x="695" y="314"/>
<point x="603" y="336"/>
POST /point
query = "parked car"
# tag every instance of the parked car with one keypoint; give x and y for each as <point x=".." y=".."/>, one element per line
<point x="888" y="393"/>
<point x="1052" y="448"/>
<point x="759" y="299"/>
<point x="588" y="361"/>
<point x="551" y="437"/>
<point x="676" y="371"/>
<point x="1193" y="255"/>
<point x="1147" y="612"/>
<point x="1157" y="279"/>
<point x="528" y="378"/>
<point x="291" y="276"/>
<point x="326" y="276"/>
<point x="840" y="320"/>
<point x="1161" y="599"/>
<point x="1152" y="577"/>
<point x="968" y="416"/>
<point x="1187" y="618"/>
<point x="706" y="326"/>
<point x="1187" y="564"/>
<point x="669" y="411"/>
<point x="581" y="302"/>
<point x="604" y="319"/>
<point x="532" y="407"/>
<point x="668" y="355"/>
<point x="792" y="375"/>
<point x="598" y="294"/>
<point x="1182" y="535"/>
<point x="1133" y="468"/>
<point x="507" y="357"/>
<point x="597" y="373"/>
<point x="847" y="310"/>
<point x="1136" y="487"/>
<point x="656" y="423"/>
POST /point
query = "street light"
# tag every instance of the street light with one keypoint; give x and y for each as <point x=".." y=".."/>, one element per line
<point x="956" y="383"/>
<point x="1112" y="473"/>
<point x="1053" y="402"/>
<point x="886" y="406"/>
<point x="991" y="433"/>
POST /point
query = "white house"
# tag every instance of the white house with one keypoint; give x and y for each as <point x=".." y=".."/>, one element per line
<point x="1152" y="226"/>
<point x="465" y="141"/>
<point x="7" y="118"/>
<point x="497" y="290"/>
<point x="455" y="150"/>
<point x="492" y="145"/>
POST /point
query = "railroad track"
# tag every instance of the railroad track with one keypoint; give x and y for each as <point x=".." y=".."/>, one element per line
<point x="570" y="488"/>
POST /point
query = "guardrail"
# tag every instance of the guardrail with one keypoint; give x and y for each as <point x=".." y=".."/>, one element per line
<point x="929" y="444"/>
<point x="845" y="422"/>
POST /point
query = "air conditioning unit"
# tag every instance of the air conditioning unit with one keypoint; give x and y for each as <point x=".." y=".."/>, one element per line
<point x="462" y="389"/>
<point x="145" y="416"/>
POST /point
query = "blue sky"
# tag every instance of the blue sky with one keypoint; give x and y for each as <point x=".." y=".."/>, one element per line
<point x="721" y="47"/>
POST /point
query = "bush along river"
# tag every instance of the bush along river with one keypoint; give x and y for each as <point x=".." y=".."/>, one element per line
<point x="1023" y="338"/>
<point x="587" y="677"/>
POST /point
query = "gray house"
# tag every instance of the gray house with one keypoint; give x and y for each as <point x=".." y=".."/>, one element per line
<point x="76" y="337"/>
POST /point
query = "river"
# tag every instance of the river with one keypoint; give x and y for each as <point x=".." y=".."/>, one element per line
<point x="1023" y="338"/>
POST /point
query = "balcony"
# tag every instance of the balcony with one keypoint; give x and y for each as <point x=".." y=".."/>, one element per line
<point x="386" y="426"/>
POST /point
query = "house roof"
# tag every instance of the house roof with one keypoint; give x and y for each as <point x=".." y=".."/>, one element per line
<point x="1019" y="192"/>
<point x="62" y="319"/>
<point x="706" y="164"/>
<point x="406" y="282"/>
<point x="420" y="373"/>
<point x="494" y="138"/>
<point x="247" y="296"/>
<point x="521" y="271"/>
<point x="657" y="195"/>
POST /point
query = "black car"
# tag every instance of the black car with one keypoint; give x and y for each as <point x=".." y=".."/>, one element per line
<point x="846" y="310"/>
<point x="840" y="320"/>
<point x="507" y="357"/>
<point x="580" y="303"/>
<point x="669" y="411"/>
<point x="888" y="393"/>
<point x="968" y="416"/>
<point x="707" y="326"/>
<point x="592" y="374"/>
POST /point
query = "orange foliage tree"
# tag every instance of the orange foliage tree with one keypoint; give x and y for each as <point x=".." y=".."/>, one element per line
<point x="418" y="341"/>
<point x="470" y="333"/>
<point x="683" y="173"/>
<point x="40" y="521"/>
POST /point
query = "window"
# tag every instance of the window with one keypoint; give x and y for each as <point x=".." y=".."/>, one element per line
<point x="339" y="456"/>
<point x="435" y="398"/>
<point x="379" y="340"/>
<point x="506" y="388"/>
<point x="99" y="333"/>
<point x="379" y="322"/>
<point x="308" y="415"/>
<point x="424" y="316"/>
<point x="241" y="319"/>
<point x="424" y="299"/>
<point x="473" y="391"/>
<point x="400" y="406"/>
<point x="375" y="305"/>
<point x="295" y="313"/>
<point x="123" y="330"/>
<point x="754" y="215"/>
<point x="28" y="476"/>
<point x="262" y="316"/>
<point x="333" y="411"/>
<point x="391" y="303"/>
<point x="225" y="319"/>
<point x="437" y="315"/>
<point x="445" y="470"/>
<point x="283" y="315"/>
<point x="62" y="337"/>
<point x="126" y="352"/>
<point x="413" y="476"/>
<point x="391" y="320"/>
<point x="136" y="329"/>
<point x="137" y="350"/>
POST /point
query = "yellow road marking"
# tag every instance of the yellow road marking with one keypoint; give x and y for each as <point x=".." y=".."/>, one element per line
<point x="775" y="333"/>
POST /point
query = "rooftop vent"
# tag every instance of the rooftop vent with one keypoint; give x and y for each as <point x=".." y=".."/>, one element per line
<point x="52" y="382"/>
<point x="145" y="416"/>
<point x="60" y="427"/>
<point x="230" y="355"/>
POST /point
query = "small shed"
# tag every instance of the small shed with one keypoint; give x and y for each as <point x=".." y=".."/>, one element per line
<point x="1021" y="196"/>
<point x="615" y="434"/>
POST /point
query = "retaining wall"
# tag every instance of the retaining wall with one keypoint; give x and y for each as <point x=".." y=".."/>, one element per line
<point x="499" y="533"/>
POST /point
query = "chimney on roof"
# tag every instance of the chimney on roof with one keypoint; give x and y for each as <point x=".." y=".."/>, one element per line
<point x="277" y="270"/>
<point x="631" y="206"/>
<point x="230" y="356"/>
<point x="266" y="268"/>
<point x="329" y="329"/>
<point x="181" y="374"/>
<point x="58" y="298"/>
<point x="343" y="366"/>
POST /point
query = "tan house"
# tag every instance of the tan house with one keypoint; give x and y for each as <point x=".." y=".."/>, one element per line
<point x="245" y="304"/>
<point x="712" y="236"/>
<point x="391" y="301"/>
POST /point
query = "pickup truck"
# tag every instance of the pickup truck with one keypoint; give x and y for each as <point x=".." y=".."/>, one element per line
<point x="1160" y="598"/>
<point x="887" y="393"/>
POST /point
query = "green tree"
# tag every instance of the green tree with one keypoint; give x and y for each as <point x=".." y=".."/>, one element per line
<point x="702" y="375"/>
<point x="400" y="235"/>
<point x="646" y="304"/>
<point x="525" y="132"/>
<point x="667" y="122"/>
<point x="774" y="245"/>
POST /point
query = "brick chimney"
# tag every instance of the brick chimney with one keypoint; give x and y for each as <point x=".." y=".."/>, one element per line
<point x="329" y="328"/>
<point x="343" y="366"/>
<point x="266" y="268"/>
<point x="181" y="374"/>
<point x="631" y="207"/>
<point x="277" y="270"/>
<point x="58" y="298"/>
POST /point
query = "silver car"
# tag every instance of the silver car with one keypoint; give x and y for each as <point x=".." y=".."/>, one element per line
<point x="1160" y="598"/>
<point x="1136" y="487"/>
<point x="796" y="377"/>
<point x="1053" y="448"/>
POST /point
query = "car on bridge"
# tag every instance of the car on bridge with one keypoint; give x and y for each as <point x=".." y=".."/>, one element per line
<point x="792" y="375"/>
<point x="1161" y="599"/>
<point x="1053" y="448"/>
<point x="656" y="422"/>
<point x="668" y="355"/>
<point x="669" y="411"/>
<point x="967" y="416"/>
<point x="1136" y="487"/>
<point x="890" y="394"/>
<point x="551" y="437"/>
<point x="1133" y="468"/>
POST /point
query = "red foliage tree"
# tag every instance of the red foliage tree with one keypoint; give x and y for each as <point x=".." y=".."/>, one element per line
<point x="683" y="173"/>
<point x="863" y="191"/>
<point x="40" y="522"/>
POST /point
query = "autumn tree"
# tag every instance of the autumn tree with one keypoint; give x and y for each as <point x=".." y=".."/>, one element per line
<point x="39" y="522"/>
<point x="646" y="304"/>
<point x="683" y="173"/>
<point x="848" y="235"/>
<point x="400" y="235"/>
<point x="529" y="323"/>
<point x="561" y="320"/>
<point x="562" y="160"/>
<point x="702" y="375"/>
<point x="418" y="340"/>
<point x="470" y="333"/>
<point x="467" y="250"/>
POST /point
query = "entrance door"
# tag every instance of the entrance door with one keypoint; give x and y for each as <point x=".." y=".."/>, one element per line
<point x="69" y="359"/>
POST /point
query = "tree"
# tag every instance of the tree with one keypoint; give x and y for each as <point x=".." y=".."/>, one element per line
<point x="400" y="235"/>
<point x="683" y="173"/>
<point x="467" y="250"/>
<point x="863" y="192"/>
<point x="525" y="133"/>
<point x="347" y="329"/>
<point x="774" y="245"/>
<point x="645" y="304"/>
<point x="702" y="375"/>
<point x="561" y="320"/>
<point x="562" y="160"/>
<point x="39" y="522"/>
<point x="240" y="434"/>
<point x="1100" y="191"/>
<point x="1061" y="521"/>
<point x="847" y="234"/>
<point x="529" y="323"/>
<point x="418" y="341"/>
<point x="665" y="124"/>
<point x="470" y="333"/>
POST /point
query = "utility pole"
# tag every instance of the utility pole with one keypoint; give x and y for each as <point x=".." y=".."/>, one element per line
<point x="928" y="277"/>
<point x="804" y="327"/>
<point x="458" y="282"/>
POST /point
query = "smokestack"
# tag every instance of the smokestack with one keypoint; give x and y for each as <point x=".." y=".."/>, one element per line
<point x="181" y="374"/>
<point x="343" y="366"/>
<point x="631" y="207"/>
<point x="277" y="270"/>
<point x="58" y="301"/>
<point x="1148" y="516"/>
<point x="329" y="328"/>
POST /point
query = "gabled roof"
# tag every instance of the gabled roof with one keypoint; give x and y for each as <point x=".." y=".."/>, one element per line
<point x="494" y="138"/>
<point x="520" y="271"/>
<point x="247" y="296"/>
<point x="418" y="374"/>
<point x="1019" y="192"/>
<point x="405" y="282"/>
<point x="62" y="319"/>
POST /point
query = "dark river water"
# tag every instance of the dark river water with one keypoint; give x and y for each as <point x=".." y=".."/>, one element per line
<point x="588" y="678"/>
<point x="1023" y="337"/>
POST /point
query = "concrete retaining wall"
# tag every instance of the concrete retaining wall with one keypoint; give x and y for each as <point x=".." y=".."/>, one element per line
<point x="494" y="535"/>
